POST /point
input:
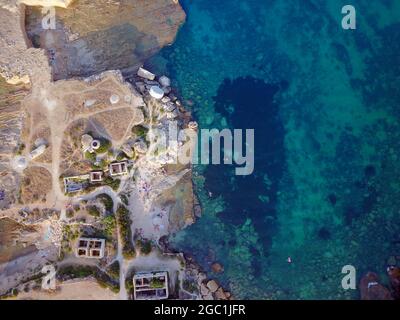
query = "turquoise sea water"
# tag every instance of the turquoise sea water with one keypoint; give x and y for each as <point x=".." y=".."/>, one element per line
<point x="324" y="103"/>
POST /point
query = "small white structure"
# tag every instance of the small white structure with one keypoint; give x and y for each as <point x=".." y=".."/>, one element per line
<point x="38" y="151"/>
<point x="119" y="168"/>
<point x="150" y="286"/>
<point x="90" y="248"/>
<point x="95" y="145"/>
<point x="114" y="99"/>
<point x="96" y="176"/>
<point x="89" y="103"/>
<point x="143" y="73"/>
<point x="164" y="81"/>
<point x="156" y="92"/>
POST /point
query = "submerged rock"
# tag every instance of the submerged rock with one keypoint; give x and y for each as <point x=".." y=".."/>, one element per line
<point x="371" y="289"/>
<point x="217" y="267"/>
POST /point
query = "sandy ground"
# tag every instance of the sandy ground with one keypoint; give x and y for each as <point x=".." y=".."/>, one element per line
<point x="149" y="223"/>
<point x="72" y="290"/>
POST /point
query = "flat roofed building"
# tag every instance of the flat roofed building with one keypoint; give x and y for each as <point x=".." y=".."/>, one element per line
<point x="118" y="168"/>
<point x="151" y="285"/>
<point x="90" y="248"/>
<point x="96" y="176"/>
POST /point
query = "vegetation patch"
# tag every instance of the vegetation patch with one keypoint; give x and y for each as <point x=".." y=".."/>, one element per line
<point x="110" y="225"/>
<point x="113" y="269"/>
<point x="124" y="224"/>
<point x="73" y="272"/>
<point x="93" y="211"/>
<point x="107" y="201"/>
<point x="145" y="246"/>
<point x="112" y="183"/>
<point x="140" y="131"/>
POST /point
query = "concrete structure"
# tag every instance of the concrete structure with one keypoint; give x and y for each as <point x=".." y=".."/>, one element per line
<point x="90" y="248"/>
<point x="143" y="73"/>
<point x="156" y="92"/>
<point x="150" y="286"/>
<point x="96" y="176"/>
<point x="76" y="183"/>
<point x="37" y="152"/>
<point x="114" y="99"/>
<point x="95" y="145"/>
<point x="118" y="168"/>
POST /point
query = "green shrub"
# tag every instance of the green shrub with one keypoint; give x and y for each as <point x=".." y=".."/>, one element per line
<point x="90" y="156"/>
<point x="109" y="225"/>
<point x="140" y="131"/>
<point x="113" y="269"/>
<point x="112" y="183"/>
<point x="101" y="277"/>
<point x="124" y="224"/>
<point x="156" y="283"/>
<point x="105" y="145"/>
<point x="107" y="201"/>
<point x="145" y="246"/>
<point x="93" y="211"/>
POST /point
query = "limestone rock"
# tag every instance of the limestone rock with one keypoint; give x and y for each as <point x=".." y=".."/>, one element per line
<point x="217" y="267"/>
<point x="164" y="81"/>
<point x="127" y="149"/>
<point x="143" y="73"/>
<point x="193" y="125"/>
<point x="156" y="92"/>
<point x="204" y="290"/>
<point x="212" y="285"/>
<point x="47" y="3"/>
<point x="140" y="147"/>
<point x="220" y="294"/>
<point x="394" y="276"/>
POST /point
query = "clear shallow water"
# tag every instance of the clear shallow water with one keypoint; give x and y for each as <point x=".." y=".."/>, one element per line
<point x="324" y="106"/>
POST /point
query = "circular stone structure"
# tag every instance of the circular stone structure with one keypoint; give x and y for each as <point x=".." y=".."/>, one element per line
<point x="86" y="140"/>
<point x="156" y="92"/>
<point x="114" y="99"/>
<point x="95" y="144"/>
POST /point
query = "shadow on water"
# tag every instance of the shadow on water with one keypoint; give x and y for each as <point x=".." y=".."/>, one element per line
<point x="249" y="103"/>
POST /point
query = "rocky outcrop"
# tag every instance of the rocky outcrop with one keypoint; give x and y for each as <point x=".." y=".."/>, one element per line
<point x="394" y="276"/>
<point x="18" y="62"/>
<point x="92" y="36"/>
<point x="47" y="3"/>
<point x="371" y="289"/>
